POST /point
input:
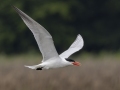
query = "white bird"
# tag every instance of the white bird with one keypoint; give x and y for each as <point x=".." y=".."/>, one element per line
<point x="51" y="59"/>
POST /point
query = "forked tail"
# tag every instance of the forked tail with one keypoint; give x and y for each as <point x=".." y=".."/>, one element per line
<point x="36" y="67"/>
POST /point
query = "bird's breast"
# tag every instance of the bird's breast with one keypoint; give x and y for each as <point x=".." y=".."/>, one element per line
<point x="53" y="64"/>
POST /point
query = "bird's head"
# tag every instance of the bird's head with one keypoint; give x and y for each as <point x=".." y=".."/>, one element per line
<point x="72" y="62"/>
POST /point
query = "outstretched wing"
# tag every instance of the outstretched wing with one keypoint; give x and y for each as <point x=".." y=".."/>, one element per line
<point x="42" y="36"/>
<point x="76" y="46"/>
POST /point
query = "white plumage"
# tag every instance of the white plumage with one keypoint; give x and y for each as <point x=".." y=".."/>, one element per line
<point x="51" y="59"/>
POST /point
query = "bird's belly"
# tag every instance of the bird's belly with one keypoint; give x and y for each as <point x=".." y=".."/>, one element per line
<point x="54" y="65"/>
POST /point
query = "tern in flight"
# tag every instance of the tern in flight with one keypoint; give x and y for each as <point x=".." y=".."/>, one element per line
<point x="51" y="59"/>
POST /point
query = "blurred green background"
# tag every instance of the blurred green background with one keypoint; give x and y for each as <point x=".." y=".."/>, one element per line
<point x="97" y="21"/>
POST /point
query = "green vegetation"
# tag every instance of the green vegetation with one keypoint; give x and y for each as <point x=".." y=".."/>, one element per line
<point x="97" y="21"/>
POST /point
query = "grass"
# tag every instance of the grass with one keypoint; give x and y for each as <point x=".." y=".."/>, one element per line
<point x="98" y="72"/>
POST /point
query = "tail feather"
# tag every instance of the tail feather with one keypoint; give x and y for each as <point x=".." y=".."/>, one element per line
<point x="32" y="67"/>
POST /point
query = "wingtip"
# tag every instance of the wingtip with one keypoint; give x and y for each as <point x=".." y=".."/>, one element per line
<point x="79" y="36"/>
<point x="13" y="6"/>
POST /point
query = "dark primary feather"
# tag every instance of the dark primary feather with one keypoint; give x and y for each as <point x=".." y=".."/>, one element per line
<point x="70" y="60"/>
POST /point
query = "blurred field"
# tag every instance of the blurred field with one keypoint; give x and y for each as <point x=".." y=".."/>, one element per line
<point x="96" y="73"/>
